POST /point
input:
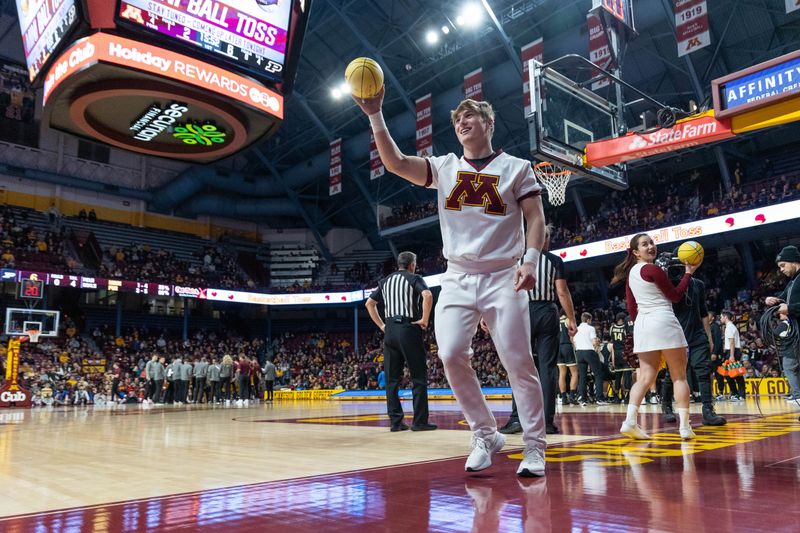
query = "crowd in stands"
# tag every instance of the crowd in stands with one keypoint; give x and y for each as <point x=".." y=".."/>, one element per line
<point x="408" y="212"/>
<point x="27" y="247"/>
<point x="100" y="368"/>
<point x="141" y="262"/>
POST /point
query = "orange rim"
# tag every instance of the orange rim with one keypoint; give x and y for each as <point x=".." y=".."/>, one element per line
<point x="541" y="168"/>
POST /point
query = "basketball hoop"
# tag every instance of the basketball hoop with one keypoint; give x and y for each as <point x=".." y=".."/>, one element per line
<point x="33" y="335"/>
<point x="555" y="178"/>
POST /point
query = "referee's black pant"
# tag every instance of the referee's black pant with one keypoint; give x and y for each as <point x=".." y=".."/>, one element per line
<point x="404" y="342"/>
<point x="544" y="343"/>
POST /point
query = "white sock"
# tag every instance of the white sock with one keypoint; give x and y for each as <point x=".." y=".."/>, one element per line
<point x="633" y="412"/>
<point x="683" y="415"/>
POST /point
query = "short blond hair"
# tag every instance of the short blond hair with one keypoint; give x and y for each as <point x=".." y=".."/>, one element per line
<point x="484" y="109"/>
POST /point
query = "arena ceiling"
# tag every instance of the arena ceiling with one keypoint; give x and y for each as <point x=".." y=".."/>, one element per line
<point x="294" y="161"/>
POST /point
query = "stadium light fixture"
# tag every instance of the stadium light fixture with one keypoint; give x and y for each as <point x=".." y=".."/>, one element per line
<point x="471" y="15"/>
<point x="445" y="29"/>
<point x="432" y="37"/>
<point x="336" y="93"/>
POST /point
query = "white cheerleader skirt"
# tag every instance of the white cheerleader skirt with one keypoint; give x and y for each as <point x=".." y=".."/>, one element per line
<point x="657" y="330"/>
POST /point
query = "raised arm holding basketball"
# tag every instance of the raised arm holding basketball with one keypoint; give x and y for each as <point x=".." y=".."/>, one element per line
<point x="408" y="167"/>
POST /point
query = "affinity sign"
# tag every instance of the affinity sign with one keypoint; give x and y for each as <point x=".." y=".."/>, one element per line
<point x="758" y="86"/>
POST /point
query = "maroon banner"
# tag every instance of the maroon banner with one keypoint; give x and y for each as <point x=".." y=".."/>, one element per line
<point x="599" y="51"/>
<point x="534" y="50"/>
<point x="691" y="26"/>
<point x="424" y="126"/>
<point x="473" y="85"/>
<point x="376" y="168"/>
<point x="336" y="167"/>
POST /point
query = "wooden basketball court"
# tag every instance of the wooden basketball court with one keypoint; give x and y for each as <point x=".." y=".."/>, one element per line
<point x="334" y="466"/>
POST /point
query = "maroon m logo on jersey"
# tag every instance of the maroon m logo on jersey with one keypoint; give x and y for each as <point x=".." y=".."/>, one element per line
<point x="477" y="190"/>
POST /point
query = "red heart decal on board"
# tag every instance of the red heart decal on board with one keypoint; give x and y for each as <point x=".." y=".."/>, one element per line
<point x="328" y="297"/>
<point x="344" y="298"/>
<point x="230" y="297"/>
<point x="761" y="218"/>
<point x="729" y="222"/>
<point x="584" y="252"/>
<point x="214" y="293"/>
<point x="563" y="255"/>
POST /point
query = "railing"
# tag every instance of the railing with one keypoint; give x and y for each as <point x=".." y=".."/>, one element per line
<point x="69" y="165"/>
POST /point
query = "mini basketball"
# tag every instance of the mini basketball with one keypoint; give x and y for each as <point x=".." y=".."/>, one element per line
<point x="364" y="76"/>
<point x="691" y="252"/>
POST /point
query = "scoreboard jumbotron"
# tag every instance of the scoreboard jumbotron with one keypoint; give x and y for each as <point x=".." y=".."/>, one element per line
<point x="193" y="80"/>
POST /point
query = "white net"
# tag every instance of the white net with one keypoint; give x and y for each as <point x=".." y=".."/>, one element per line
<point x="555" y="179"/>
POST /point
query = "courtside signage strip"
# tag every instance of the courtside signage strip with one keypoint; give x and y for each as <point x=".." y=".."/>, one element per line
<point x="184" y="69"/>
<point x="690" y="230"/>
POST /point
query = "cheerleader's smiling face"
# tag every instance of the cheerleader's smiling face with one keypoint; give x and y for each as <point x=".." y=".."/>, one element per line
<point x="646" y="249"/>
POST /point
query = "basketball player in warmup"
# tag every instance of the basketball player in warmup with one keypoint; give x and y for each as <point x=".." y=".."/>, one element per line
<point x="482" y="198"/>
<point x="623" y="373"/>
<point x="656" y="331"/>
<point x="567" y="361"/>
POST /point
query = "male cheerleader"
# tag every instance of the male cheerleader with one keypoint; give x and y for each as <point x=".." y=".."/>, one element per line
<point x="482" y="198"/>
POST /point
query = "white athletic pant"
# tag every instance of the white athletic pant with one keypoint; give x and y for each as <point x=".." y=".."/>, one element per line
<point x="464" y="299"/>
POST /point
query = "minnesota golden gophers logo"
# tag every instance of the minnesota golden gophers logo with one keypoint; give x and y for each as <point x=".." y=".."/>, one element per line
<point x="476" y="190"/>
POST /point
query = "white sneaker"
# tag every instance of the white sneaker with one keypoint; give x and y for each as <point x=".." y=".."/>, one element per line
<point x="482" y="450"/>
<point x="687" y="433"/>
<point x="559" y="401"/>
<point x="532" y="465"/>
<point x="654" y="399"/>
<point x="633" y="431"/>
<point x="238" y="403"/>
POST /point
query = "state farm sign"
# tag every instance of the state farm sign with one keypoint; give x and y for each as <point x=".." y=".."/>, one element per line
<point x="685" y="134"/>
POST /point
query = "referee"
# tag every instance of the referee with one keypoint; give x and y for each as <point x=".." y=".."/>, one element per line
<point x="407" y="303"/>
<point x="551" y="284"/>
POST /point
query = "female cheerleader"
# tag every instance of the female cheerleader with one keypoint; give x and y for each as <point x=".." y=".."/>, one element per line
<point x="656" y="331"/>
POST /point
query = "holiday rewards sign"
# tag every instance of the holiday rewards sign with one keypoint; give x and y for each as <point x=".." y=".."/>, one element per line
<point x="139" y="97"/>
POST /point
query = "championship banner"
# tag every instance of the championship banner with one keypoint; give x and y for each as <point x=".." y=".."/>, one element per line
<point x="599" y="51"/>
<point x="335" y="173"/>
<point x="424" y="126"/>
<point x="473" y="85"/>
<point x="534" y="50"/>
<point x="792" y="5"/>
<point x="691" y="26"/>
<point x="376" y="168"/>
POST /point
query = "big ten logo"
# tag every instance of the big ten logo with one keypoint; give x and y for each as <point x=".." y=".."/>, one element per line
<point x="476" y="190"/>
<point x="15" y="396"/>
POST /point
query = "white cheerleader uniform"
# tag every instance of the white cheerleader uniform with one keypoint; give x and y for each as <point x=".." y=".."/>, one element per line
<point x="650" y="295"/>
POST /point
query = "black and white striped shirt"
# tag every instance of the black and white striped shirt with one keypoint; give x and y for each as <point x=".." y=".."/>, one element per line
<point x="550" y="268"/>
<point x="401" y="295"/>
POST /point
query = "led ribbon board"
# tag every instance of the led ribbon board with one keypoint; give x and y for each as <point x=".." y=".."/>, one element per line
<point x="249" y="34"/>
